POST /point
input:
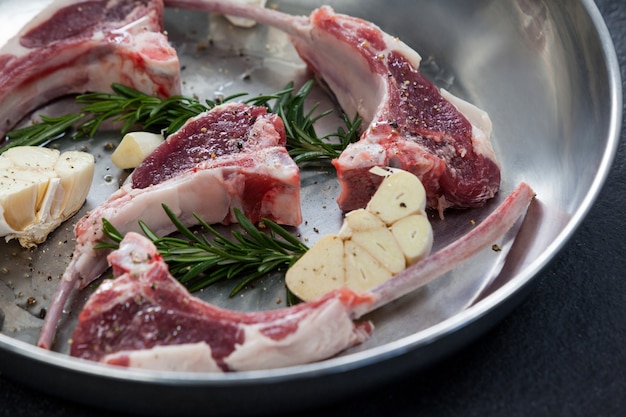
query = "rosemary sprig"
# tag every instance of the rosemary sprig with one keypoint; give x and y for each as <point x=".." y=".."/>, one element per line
<point x="49" y="129"/>
<point x="125" y="105"/>
<point x="303" y="142"/>
<point x="197" y="262"/>
<point x="134" y="109"/>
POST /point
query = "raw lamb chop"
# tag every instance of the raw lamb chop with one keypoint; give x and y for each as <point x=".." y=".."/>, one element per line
<point x="144" y="318"/>
<point x="410" y="124"/>
<point x="233" y="156"/>
<point x="76" y="46"/>
<point x="135" y="319"/>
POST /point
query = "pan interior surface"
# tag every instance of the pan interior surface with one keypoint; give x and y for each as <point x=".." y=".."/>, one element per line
<point x="546" y="73"/>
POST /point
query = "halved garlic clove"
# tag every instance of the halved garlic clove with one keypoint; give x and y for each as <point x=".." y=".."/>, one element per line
<point x="39" y="189"/>
<point x="75" y="170"/>
<point x="319" y="271"/>
<point x="363" y="271"/>
<point x="377" y="242"/>
<point x="401" y="194"/>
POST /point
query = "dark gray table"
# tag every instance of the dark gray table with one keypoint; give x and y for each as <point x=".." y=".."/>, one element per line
<point x="562" y="352"/>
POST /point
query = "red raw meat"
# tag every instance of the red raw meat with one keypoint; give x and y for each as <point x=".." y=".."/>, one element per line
<point x="129" y="321"/>
<point x="146" y="319"/>
<point x="81" y="46"/>
<point x="233" y="156"/>
<point x="229" y="130"/>
<point x="410" y="124"/>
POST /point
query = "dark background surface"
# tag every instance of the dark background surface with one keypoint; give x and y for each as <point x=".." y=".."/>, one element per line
<point x="561" y="352"/>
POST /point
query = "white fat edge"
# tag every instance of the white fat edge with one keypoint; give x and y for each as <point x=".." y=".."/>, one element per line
<point x="262" y="128"/>
<point x="145" y="41"/>
<point x="323" y="333"/>
<point x="396" y="45"/>
<point x="480" y="121"/>
<point x="49" y="11"/>
<point x="189" y="357"/>
<point x="284" y="206"/>
<point x="355" y="93"/>
<point x="272" y="162"/>
<point x="364" y="154"/>
<point x="179" y="193"/>
<point x="125" y="288"/>
<point x="276" y="163"/>
<point x="102" y="73"/>
<point x="12" y="105"/>
<point x="13" y="47"/>
<point x="137" y="38"/>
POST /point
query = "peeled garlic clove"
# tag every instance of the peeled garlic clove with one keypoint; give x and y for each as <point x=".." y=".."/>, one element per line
<point x="400" y="194"/>
<point x="319" y="271"/>
<point x="134" y="148"/>
<point x="414" y="235"/>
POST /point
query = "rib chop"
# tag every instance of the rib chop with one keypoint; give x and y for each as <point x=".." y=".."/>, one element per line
<point x="232" y="156"/>
<point x="79" y="46"/>
<point x="146" y="319"/>
<point x="411" y="125"/>
<point x="136" y="318"/>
